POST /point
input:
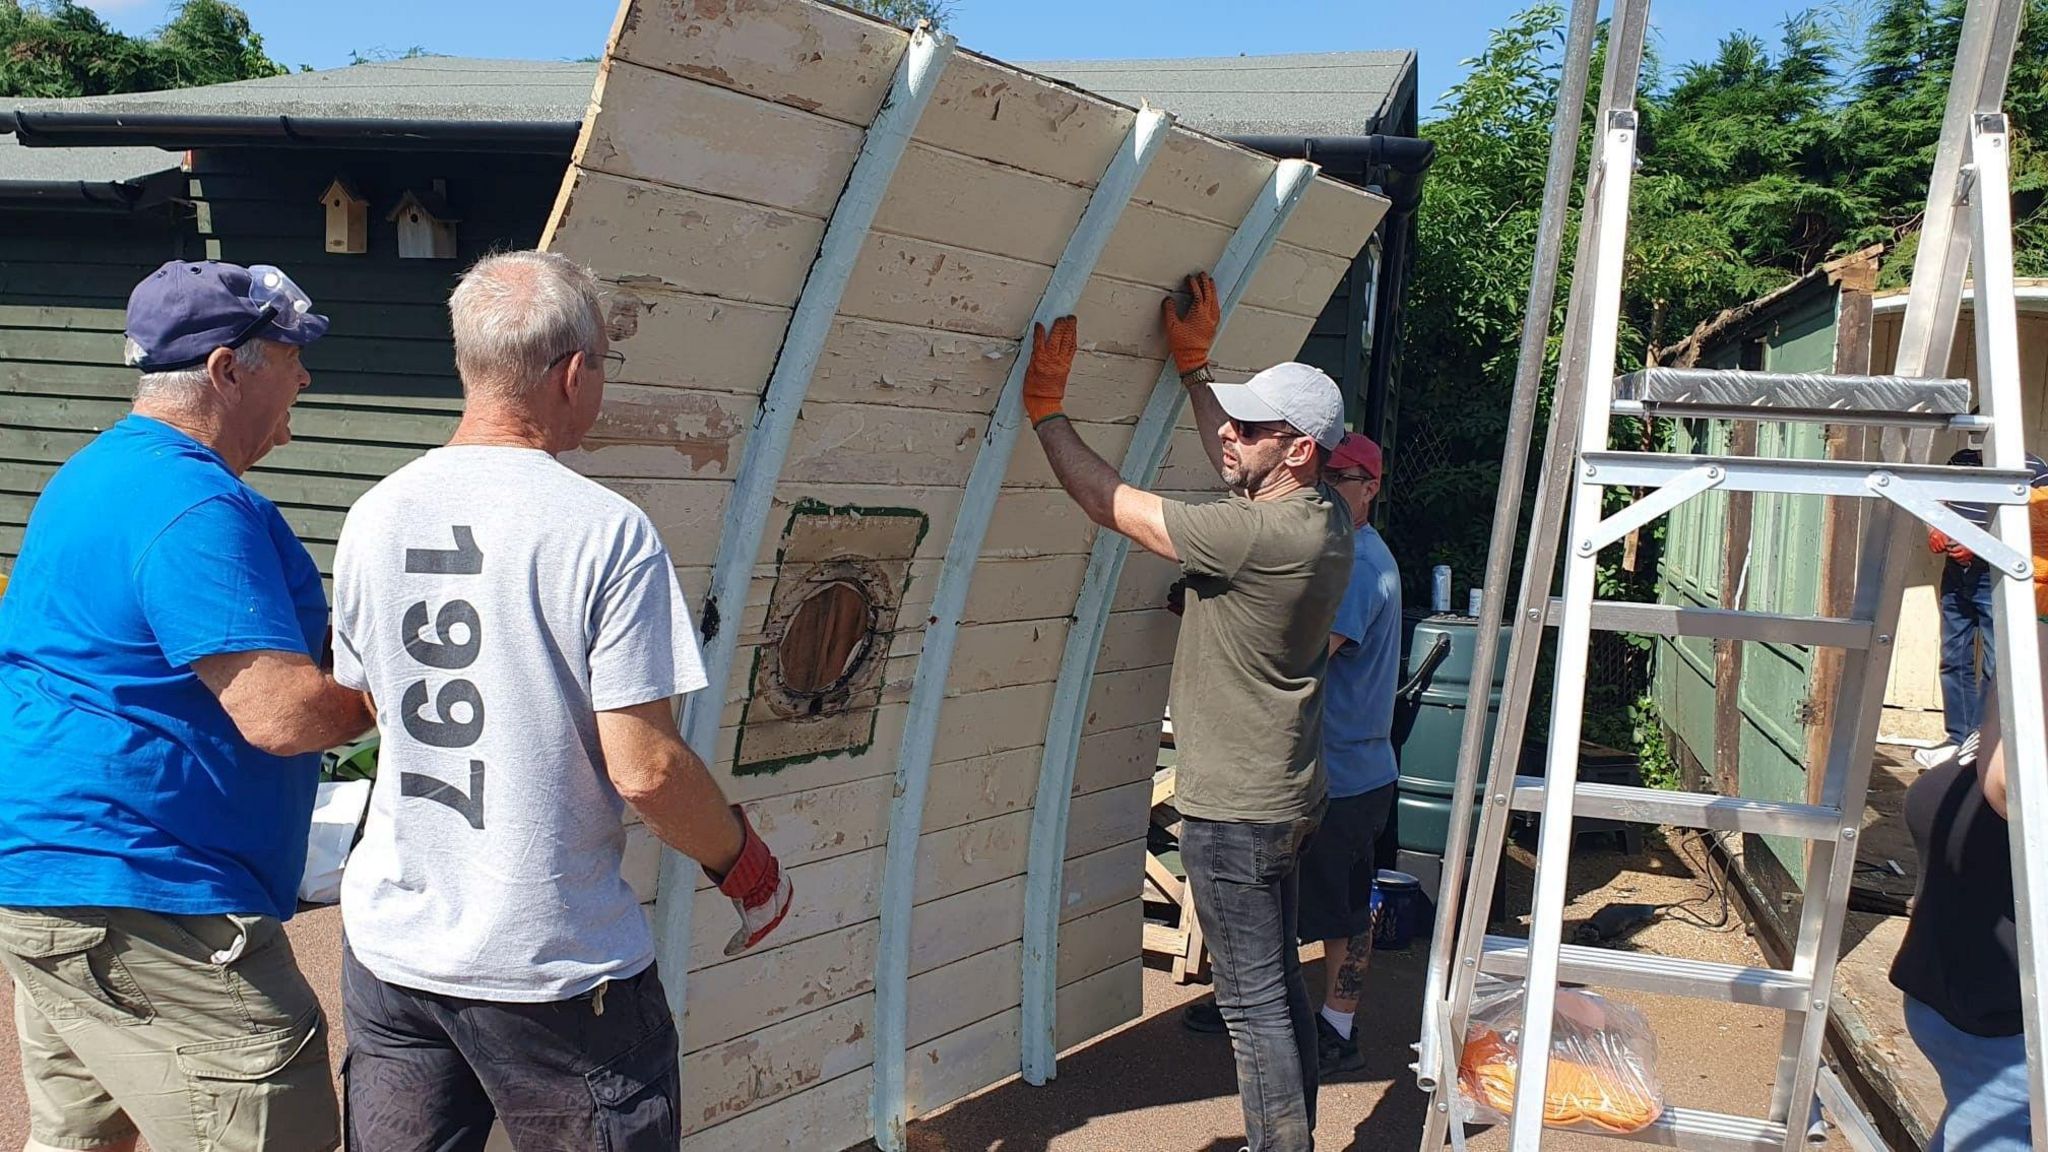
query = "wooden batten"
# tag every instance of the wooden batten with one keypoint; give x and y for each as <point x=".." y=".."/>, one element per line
<point x="824" y="243"/>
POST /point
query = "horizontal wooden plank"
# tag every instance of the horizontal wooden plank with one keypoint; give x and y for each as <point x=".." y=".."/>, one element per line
<point x="1142" y="638"/>
<point x="1122" y="699"/>
<point x="1112" y="816"/>
<point x="1154" y="246"/>
<point x="777" y="984"/>
<point x="641" y="233"/>
<point x="962" y="791"/>
<point x="909" y="281"/>
<point x="824" y="60"/>
<point x="998" y="655"/>
<point x="989" y="110"/>
<point x="970" y="855"/>
<point x="1092" y="1005"/>
<point x="776" y="1062"/>
<point x="946" y="198"/>
<point x="1029" y="467"/>
<point x="1201" y="176"/>
<point x="1118" y="756"/>
<point x="1102" y="879"/>
<point x="1297" y="281"/>
<point x="828" y="896"/>
<point x="657" y="126"/>
<point x="943" y="1070"/>
<point x="831" y="1115"/>
<point x="1334" y="217"/>
<point x="674" y="339"/>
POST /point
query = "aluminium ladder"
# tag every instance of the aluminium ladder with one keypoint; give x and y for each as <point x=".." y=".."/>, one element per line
<point x="1967" y="223"/>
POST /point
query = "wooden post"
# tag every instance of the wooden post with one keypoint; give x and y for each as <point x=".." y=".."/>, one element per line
<point x="1855" y="278"/>
<point x="1728" y="653"/>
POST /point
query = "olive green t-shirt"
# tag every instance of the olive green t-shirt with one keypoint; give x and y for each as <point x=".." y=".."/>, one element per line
<point x="1264" y="580"/>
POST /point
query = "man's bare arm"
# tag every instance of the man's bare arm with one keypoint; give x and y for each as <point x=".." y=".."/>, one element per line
<point x="282" y="702"/>
<point x="1208" y="422"/>
<point x="1101" y="491"/>
<point x="668" y="785"/>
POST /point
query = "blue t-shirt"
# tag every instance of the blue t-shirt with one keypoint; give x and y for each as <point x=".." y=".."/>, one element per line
<point x="1358" y="694"/>
<point x="123" y="782"/>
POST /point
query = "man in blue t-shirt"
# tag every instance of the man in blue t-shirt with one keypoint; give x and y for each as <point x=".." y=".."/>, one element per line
<point x="162" y="702"/>
<point x="1338" y="866"/>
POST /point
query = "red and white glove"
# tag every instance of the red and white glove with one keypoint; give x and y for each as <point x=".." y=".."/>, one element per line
<point x="759" y="889"/>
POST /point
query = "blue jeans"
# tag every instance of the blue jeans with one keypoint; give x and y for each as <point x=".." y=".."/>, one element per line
<point x="1965" y="620"/>
<point x="1984" y="1079"/>
<point x="1246" y="889"/>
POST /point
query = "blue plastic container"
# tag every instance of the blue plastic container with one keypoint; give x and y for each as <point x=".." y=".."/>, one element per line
<point x="1397" y="902"/>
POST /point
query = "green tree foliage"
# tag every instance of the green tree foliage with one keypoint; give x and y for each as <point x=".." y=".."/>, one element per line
<point x="1759" y="162"/>
<point x="907" y="13"/>
<point x="60" y="48"/>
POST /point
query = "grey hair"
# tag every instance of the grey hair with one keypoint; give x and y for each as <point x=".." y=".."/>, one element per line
<point x="181" y="385"/>
<point x="516" y="314"/>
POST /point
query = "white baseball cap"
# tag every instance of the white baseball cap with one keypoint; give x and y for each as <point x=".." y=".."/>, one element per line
<point x="1296" y="394"/>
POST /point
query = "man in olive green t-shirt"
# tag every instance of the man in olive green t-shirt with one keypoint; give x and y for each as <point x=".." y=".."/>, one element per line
<point x="1265" y="569"/>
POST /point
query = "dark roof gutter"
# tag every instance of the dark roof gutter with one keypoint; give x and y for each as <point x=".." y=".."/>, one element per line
<point x="181" y="131"/>
<point x="92" y="196"/>
<point x="1404" y="158"/>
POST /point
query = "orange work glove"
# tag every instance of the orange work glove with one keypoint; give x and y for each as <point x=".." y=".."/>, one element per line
<point x="1045" y="380"/>
<point x="1937" y="541"/>
<point x="2037" y="517"/>
<point x="1190" y="333"/>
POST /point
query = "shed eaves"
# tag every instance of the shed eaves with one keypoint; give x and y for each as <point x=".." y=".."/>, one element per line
<point x="85" y="165"/>
<point x="426" y="88"/>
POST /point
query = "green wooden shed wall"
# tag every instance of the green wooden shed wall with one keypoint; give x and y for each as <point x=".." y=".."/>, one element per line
<point x="1781" y="574"/>
<point x="384" y="386"/>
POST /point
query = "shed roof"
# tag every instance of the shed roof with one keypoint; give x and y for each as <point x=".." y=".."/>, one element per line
<point x="1334" y="93"/>
<point x="1307" y="94"/>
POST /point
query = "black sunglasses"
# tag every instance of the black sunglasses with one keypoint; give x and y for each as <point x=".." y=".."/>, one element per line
<point x="1250" y="430"/>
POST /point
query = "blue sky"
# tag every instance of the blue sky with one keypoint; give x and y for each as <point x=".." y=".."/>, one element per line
<point x="1444" y="32"/>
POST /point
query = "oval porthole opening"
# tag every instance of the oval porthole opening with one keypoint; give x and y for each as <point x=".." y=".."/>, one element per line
<point x="825" y="642"/>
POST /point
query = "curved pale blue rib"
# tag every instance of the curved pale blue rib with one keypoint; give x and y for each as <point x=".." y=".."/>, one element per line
<point x="1241" y="258"/>
<point x="767" y="446"/>
<point x="934" y="667"/>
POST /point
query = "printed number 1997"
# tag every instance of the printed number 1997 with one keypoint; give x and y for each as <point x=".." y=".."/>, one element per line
<point x="458" y="641"/>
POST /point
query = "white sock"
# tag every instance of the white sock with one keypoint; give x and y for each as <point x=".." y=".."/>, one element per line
<point x="1341" y="1021"/>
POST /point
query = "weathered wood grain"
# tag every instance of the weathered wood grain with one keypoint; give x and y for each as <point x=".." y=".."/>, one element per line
<point x="1334" y="217"/>
<point x="831" y="1115"/>
<point x="991" y="111"/>
<point x="783" y="982"/>
<point x="828" y="61"/>
<point x="945" y="197"/>
<point x="649" y="234"/>
<point x="905" y="280"/>
<point x="741" y="148"/>
<point x="732" y="1078"/>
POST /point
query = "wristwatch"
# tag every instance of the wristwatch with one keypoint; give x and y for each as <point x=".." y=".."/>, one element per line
<point x="1200" y="375"/>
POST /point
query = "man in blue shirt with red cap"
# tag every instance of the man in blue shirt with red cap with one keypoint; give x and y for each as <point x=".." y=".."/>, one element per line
<point x="162" y="702"/>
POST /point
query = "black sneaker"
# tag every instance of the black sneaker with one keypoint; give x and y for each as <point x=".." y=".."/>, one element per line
<point x="1203" y="1016"/>
<point x="1335" y="1054"/>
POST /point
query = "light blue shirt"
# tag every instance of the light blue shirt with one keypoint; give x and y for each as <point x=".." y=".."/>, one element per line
<point x="1358" y="694"/>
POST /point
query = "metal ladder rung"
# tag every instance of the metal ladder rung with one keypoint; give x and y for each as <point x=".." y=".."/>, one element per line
<point x="1694" y="1128"/>
<point x="1644" y="972"/>
<point x="1723" y="624"/>
<point x="1827" y="398"/>
<point x="1808" y="477"/>
<point x="1687" y="809"/>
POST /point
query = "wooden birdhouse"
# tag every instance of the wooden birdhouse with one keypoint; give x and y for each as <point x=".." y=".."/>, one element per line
<point x="426" y="230"/>
<point x="348" y="218"/>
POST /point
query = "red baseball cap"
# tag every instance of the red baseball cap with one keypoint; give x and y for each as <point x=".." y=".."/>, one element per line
<point x="1357" y="450"/>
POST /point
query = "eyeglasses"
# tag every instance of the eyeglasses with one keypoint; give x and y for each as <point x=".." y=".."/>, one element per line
<point x="1250" y="430"/>
<point x="1353" y="477"/>
<point x="614" y="362"/>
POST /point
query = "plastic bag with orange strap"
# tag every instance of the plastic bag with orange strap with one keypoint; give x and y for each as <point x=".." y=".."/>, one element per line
<point x="1603" y="1060"/>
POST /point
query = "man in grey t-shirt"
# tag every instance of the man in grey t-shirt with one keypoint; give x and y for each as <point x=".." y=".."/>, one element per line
<point x="523" y="635"/>
<point x="1265" y="569"/>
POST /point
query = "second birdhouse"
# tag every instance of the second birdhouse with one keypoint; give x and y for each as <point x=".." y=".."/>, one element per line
<point x="348" y="218"/>
<point x="426" y="230"/>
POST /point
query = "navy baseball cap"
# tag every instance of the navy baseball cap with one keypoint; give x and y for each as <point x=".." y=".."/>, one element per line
<point x="184" y="310"/>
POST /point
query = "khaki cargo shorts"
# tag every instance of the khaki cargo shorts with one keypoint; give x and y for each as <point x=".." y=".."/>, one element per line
<point x="198" y="1032"/>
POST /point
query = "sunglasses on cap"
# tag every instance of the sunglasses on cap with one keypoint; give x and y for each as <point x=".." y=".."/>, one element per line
<point x="280" y="304"/>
